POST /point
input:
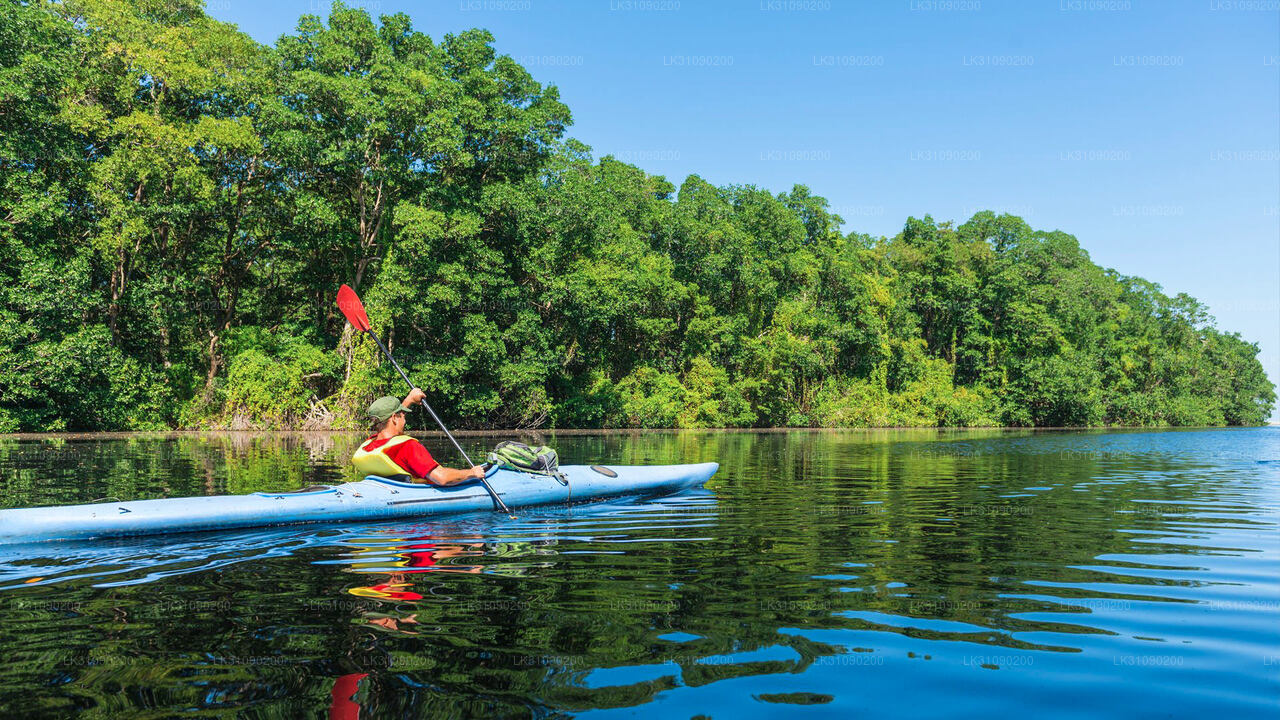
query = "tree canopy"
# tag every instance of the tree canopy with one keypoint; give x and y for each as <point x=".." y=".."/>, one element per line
<point x="180" y="204"/>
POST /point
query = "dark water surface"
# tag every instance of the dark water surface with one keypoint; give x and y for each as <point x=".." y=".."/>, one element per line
<point x="832" y="574"/>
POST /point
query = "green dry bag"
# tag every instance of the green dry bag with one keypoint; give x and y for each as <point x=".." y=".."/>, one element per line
<point x="523" y="458"/>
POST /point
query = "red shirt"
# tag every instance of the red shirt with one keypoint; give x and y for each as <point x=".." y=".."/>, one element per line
<point x="410" y="455"/>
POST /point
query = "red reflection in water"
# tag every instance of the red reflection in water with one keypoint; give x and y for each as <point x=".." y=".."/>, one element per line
<point x="342" y="704"/>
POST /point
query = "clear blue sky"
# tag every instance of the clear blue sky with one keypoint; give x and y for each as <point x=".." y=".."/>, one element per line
<point x="1149" y="130"/>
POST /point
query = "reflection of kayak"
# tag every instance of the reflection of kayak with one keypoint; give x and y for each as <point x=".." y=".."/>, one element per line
<point x="373" y="498"/>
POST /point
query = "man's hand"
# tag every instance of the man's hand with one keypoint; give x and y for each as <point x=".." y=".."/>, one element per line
<point x="477" y="472"/>
<point x="415" y="396"/>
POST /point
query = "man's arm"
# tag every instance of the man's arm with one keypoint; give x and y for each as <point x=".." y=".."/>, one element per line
<point x="414" y="397"/>
<point x="444" y="476"/>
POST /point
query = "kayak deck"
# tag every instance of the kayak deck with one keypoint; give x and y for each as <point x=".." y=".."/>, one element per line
<point x="373" y="498"/>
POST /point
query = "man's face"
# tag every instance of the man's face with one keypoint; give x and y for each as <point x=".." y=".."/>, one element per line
<point x="397" y="421"/>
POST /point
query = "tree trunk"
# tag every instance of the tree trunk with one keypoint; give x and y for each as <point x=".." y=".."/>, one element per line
<point x="214" y="364"/>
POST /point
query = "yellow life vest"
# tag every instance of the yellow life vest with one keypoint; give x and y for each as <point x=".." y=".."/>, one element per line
<point x="376" y="461"/>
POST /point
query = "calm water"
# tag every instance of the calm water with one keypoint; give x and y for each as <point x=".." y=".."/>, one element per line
<point x="926" y="574"/>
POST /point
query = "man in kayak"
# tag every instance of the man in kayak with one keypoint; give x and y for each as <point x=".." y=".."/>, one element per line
<point x="390" y="453"/>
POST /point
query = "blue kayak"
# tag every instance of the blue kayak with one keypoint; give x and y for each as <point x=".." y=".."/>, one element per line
<point x="374" y="498"/>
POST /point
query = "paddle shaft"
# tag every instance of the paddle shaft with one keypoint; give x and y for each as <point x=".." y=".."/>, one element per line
<point x="492" y="493"/>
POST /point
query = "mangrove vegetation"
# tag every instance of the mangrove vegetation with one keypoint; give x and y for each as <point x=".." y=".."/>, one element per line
<point x="180" y="204"/>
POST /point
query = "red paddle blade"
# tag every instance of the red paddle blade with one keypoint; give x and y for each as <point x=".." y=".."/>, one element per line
<point x="351" y="307"/>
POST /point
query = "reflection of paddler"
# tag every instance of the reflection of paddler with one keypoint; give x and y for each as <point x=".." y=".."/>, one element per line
<point x="416" y="556"/>
<point x="423" y="559"/>
<point x="390" y="623"/>
<point x="389" y="590"/>
<point x="426" y="556"/>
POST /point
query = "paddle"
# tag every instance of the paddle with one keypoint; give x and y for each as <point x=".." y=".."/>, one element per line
<point x="351" y="307"/>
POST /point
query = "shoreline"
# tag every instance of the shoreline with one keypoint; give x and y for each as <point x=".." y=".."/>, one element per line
<point x="165" y="434"/>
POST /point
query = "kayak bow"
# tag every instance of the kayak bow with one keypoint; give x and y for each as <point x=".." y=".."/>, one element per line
<point x="373" y="498"/>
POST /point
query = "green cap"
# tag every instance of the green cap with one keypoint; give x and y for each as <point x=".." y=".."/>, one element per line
<point x="384" y="407"/>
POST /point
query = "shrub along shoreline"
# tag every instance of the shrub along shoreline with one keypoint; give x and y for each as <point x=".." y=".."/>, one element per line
<point x="182" y="203"/>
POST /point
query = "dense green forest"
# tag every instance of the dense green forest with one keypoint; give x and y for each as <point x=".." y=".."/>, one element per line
<point x="181" y="203"/>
